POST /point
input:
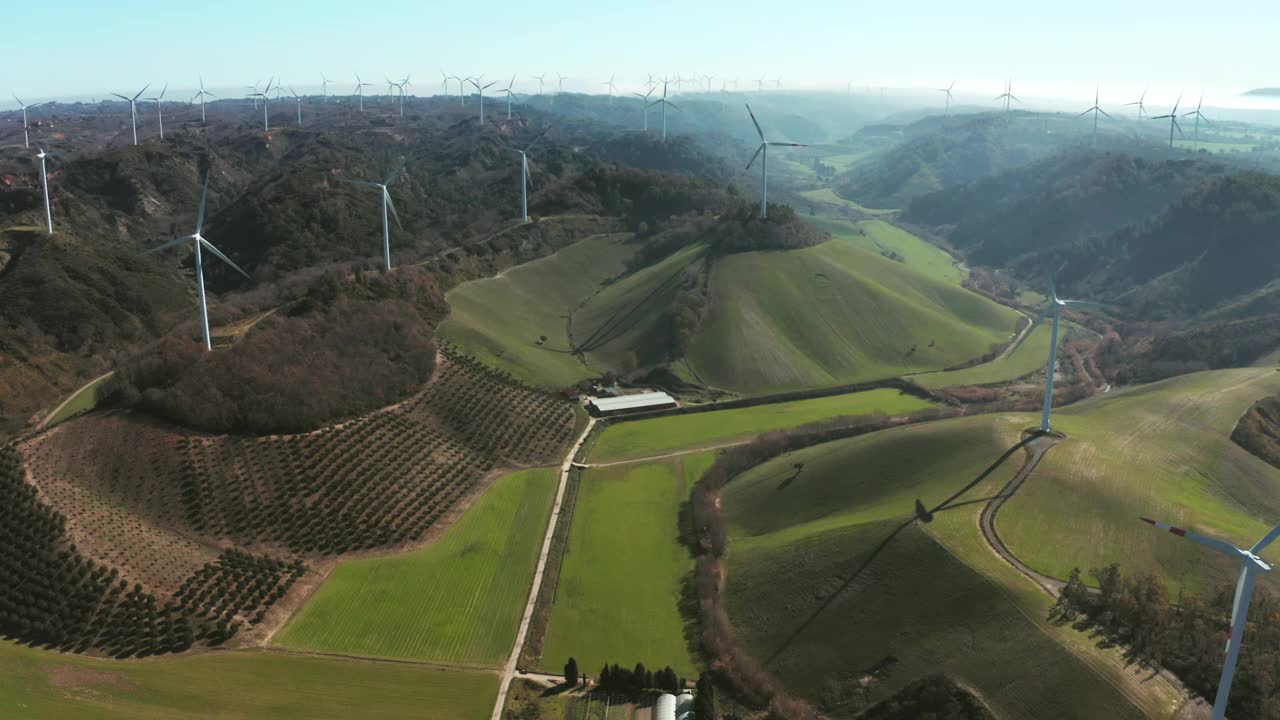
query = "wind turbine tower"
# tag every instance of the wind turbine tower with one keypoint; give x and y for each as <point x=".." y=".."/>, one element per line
<point x="324" y="88"/>
<point x="1172" y="117"/>
<point x="1096" y="110"/>
<point x="1142" y="109"/>
<point x="1250" y="567"/>
<point x="1007" y="96"/>
<point x="611" y="87"/>
<point x="644" y="104"/>
<point x="524" y="174"/>
<point x="201" y="96"/>
<point x="26" y="138"/>
<point x="359" y="91"/>
<point x="946" y="110"/>
<point x="1196" y="134"/>
<point x="664" y="102"/>
<point x="763" y="149"/>
<point x="386" y="205"/>
<point x="133" y="109"/>
<point x="44" y="183"/>
<point x="1055" y="307"/>
<point x="198" y="242"/>
<point x="480" y="89"/>
<point x="298" y="99"/>
<point x="266" y="102"/>
<point x="159" y="107"/>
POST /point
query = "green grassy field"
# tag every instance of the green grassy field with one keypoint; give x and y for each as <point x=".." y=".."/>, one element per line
<point x="40" y="685"/>
<point x="1031" y="356"/>
<point x="458" y="601"/>
<point x="83" y="401"/>
<point x="642" y="438"/>
<point x="836" y="313"/>
<point x="822" y="547"/>
<point x="1162" y="451"/>
<point x="620" y="585"/>
<point x="827" y="195"/>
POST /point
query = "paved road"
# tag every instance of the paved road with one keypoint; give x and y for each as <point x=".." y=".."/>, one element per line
<point x="510" y="672"/>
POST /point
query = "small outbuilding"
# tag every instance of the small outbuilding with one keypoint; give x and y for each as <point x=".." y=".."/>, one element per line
<point x="640" y="402"/>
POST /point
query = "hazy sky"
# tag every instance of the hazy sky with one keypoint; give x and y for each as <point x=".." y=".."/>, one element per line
<point x="59" y="48"/>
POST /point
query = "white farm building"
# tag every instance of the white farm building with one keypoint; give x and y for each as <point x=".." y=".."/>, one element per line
<point x="640" y="402"/>
<point x="669" y="707"/>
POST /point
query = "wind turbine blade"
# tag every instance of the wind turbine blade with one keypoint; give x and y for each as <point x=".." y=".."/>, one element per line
<point x="392" y="207"/>
<point x="204" y="196"/>
<point x="1223" y="547"/>
<point x="673" y="105"/>
<point x="144" y="89"/>
<point x="1083" y="303"/>
<point x="1266" y="540"/>
<point x="788" y="144"/>
<point x="1086" y="112"/>
<point x="121" y="97"/>
<point x="21" y="104"/>
<point x="394" y="173"/>
<point x="755" y="122"/>
<point x="495" y="82"/>
<point x="1032" y="327"/>
<point x="1174" y="120"/>
<point x="209" y="246"/>
<point x="753" y="157"/>
<point x="536" y="139"/>
<point x="364" y="183"/>
<point x="1104" y="113"/>
<point x="166" y="246"/>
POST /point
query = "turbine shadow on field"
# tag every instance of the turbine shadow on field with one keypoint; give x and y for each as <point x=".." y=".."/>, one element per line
<point x="618" y="323"/>
<point x="875" y="552"/>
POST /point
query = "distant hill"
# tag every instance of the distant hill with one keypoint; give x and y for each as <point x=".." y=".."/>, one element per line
<point x="1263" y="92"/>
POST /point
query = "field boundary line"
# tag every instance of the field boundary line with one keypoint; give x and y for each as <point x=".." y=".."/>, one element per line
<point x="274" y="650"/>
<point x="509" y="671"/>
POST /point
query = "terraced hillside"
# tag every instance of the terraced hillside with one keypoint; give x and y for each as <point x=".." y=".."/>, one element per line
<point x="152" y="507"/>
<point x="874" y="302"/>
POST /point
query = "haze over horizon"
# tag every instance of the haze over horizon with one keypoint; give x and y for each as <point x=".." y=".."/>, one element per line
<point x="823" y="44"/>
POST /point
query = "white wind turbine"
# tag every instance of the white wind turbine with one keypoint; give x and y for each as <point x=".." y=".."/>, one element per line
<point x="510" y="93"/>
<point x="1096" y="109"/>
<point x="1055" y="307"/>
<point x="26" y="138"/>
<point x="462" y="90"/>
<point x="199" y="242"/>
<point x="44" y="183"/>
<point x="946" y="110"/>
<point x="297" y="98"/>
<point x="560" y="86"/>
<point x="359" y="91"/>
<point x="444" y="82"/>
<point x="1250" y="566"/>
<point x="201" y="95"/>
<point x="480" y="89"/>
<point x="386" y="204"/>
<point x="644" y="103"/>
<point x="539" y="79"/>
<point x="611" y="87"/>
<point x="324" y="88"/>
<point x="1007" y="96"/>
<point x="524" y="174"/>
<point x="133" y="109"/>
<point x="1172" y="116"/>
<point x="159" y="109"/>
<point x="266" y="101"/>
<point x="664" y="102"/>
<point x="1141" y="107"/>
<point x="764" y="163"/>
<point x="1199" y="116"/>
<point x="709" y="78"/>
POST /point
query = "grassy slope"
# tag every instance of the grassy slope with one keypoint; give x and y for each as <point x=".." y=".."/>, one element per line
<point x="836" y="313"/>
<point x="620" y="585"/>
<point x="40" y="685"/>
<point x="83" y="401"/>
<point x="641" y="438"/>
<point x="827" y="195"/>
<point x="935" y="600"/>
<point x="1163" y="451"/>
<point x="1029" y="357"/>
<point x="458" y="600"/>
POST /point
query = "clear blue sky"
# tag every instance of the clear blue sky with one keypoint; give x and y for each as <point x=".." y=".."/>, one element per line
<point x="91" y="47"/>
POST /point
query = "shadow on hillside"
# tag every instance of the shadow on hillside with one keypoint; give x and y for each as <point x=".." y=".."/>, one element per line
<point x="920" y="513"/>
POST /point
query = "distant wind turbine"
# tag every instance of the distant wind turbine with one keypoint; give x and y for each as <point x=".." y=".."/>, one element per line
<point x="510" y="93"/>
<point x="386" y="204"/>
<point x="539" y="79"/>
<point x="611" y="87"/>
<point x="159" y="109"/>
<point x="26" y="139"/>
<point x="760" y="84"/>
<point x="480" y="89"/>
<point x="524" y="174"/>
<point x="1172" y="117"/>
<point x="1096" y="110"/>
<point x="201" y="95"/>
<point x="359" y="91"/>
<point x="133" y="109"/>
<point x="709" y="78"/>
<point x="324" y="88"/>
<point x="44" y="183"/>
<point x="560" y="85"/>
<point x="1007" y="95"/>
<point x="253" y="92"/>
<point x="1141" y="108"/>
<point x="199" y="242"/>
<point x="664" y="102"/>
<point x="266" y="102"/>
<point x="1250" y="566"/>
<point x="777" y="84"/>
<point x="1055" y="307"/>
<point x="764" y="163"/>
<point x="644" y="103"/>
<point x="298" y="99"/>
<point x="947" y="108"/>
<point x="1199" y="116"/>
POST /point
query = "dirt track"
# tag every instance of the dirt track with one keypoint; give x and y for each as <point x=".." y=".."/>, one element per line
<point x="1035" y="450"/>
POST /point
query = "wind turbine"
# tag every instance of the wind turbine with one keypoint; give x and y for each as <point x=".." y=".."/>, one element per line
<point x="524" y="174"/>
<point x="266" y="102"/>
<point x="1172" y="116"/>
<point x="644" y="103"/>
<point x="202" y="95"/>
<point x="664" y="102"/>
<point x="1196" y="143"/>
<point x="611" y="87"/>
<point x="44" y="182"/>
<point x="399" y="86"/>
<point x="764" y="163"/>
<point x="1096" y="109"/>
<point x="1007" y="95"/>
<point x="324" y="88"/>
<point x="480" y="89"/>
<point x="444" y="81"/>
<point x="386" y="204"/>
<point x="509" y="93"/>
<point x="1141" y="108"/>
<point x="254" y="92"/>
<point x="946" y="109"/>
<point x="462" y="92"/>
<point x="298" y="99"/>
<point x="539" y="79"/>
<point x="1250" y="566"/>
<point x="777" y="84"/>
<point x="133" y="109"/>
<point x="562" y="78"/>
<point x="159" y="110"/>
<point x="359" y="91"/>
<point x="760" y="84"/>
<point x="199" y="242"/>
<point x="26" y="139"/>
<point x="1054" y="306"/>
<point x="709" y="78"/>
